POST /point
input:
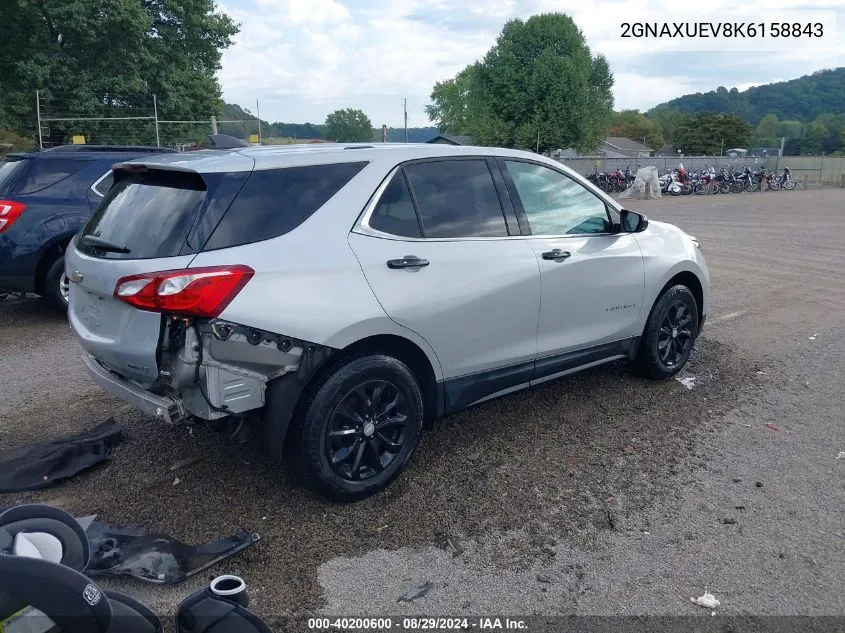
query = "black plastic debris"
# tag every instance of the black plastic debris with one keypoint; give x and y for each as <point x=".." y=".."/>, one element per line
<point x="128" y="551"/>
<point x="42" y="464"/>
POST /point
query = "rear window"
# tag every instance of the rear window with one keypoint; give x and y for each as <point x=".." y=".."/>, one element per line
<point x="46" y="172"/>
<point x="8" y="169"/>
<point x="457" y="198"/>
<point x="274" y="202"/>
<point x="149" y="213"/>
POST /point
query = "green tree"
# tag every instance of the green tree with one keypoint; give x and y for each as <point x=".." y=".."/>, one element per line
<point x="635" y="126"/>
<point x="349" y="126"/>
<point x="95" y="57"/>
<point x="669" y="122"/>
<point x="768" y="126"/>
<point x="708" y="133"/>
<point x="539" y="79"/>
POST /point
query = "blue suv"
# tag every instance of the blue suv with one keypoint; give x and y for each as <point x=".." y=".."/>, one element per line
<point x="45" y="198"/>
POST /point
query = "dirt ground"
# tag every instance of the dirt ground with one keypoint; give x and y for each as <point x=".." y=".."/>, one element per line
<point x="597" y="494"/>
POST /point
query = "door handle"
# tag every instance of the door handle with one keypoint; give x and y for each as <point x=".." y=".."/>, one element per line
<point x="556" y="254"/>
<point x="409" y="261"/>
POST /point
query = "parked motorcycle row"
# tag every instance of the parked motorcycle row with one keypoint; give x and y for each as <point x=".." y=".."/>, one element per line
<point x="680" y="182"/>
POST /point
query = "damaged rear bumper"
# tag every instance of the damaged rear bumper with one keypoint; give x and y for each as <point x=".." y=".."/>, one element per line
<point x="168" y="410"/>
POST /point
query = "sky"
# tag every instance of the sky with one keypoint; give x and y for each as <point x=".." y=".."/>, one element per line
<point x="302" y="59"/>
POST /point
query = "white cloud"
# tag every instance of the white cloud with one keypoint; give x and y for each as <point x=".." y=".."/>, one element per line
<point x="303" y="59"/>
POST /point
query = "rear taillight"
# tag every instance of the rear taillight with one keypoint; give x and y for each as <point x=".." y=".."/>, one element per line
<point x="199" y="292"/>
<point x="9" y="212"/>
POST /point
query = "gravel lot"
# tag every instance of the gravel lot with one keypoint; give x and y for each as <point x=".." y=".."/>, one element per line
<point x="598" y="494"/>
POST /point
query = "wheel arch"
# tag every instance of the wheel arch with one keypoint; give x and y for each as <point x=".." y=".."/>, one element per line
<point x="49" y="254"/>
<point x="681" y="274"/>
<point x="288" y="396"/>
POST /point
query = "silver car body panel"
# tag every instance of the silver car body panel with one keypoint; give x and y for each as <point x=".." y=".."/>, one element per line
<point x="483" y="304"/>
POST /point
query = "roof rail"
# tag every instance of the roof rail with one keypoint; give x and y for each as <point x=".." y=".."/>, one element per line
<point x="359" y="147"/>
<point x="109" y="148"/>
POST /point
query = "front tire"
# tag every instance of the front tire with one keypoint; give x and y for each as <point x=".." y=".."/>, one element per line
<point x="360" y="428"/>
<point x="669" y="334"/>
<point x="56" y="285"/>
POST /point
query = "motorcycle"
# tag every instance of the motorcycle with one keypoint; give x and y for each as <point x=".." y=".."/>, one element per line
<point x="600" y="180"/>
<point x="742" y="181"/>
<point x="670" y="184"/>
<point x="786" y="181"/>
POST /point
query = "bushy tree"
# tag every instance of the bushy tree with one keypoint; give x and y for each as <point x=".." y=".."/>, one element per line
<point x="539" y="79"/>
<point x="708" y="133"/>
<point x="349" y="126"/>
<point x="635" y="126"/>
<point x="92" y="57"/>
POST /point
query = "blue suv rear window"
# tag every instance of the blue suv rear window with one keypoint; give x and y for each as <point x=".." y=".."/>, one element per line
<point x="46" y="172"/>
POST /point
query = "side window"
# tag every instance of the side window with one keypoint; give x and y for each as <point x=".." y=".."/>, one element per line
<point x="555" y="204"/>
<point x="394" y="213"/>
<point x="457" y="198"/>
<point x="276" y="201"/>
<point x="46" y="172"/>
<point x="103" y="184"/>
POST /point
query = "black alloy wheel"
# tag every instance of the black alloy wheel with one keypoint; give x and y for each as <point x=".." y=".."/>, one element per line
<point x="669" y="335"/>
<point x="367" y="430"/>
<point x="675" y="336"/>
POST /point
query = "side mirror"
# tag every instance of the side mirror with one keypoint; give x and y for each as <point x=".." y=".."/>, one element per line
<point x="632" y="222"/>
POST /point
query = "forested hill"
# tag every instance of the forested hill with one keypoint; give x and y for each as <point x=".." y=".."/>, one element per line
<point x="801" y="99"/>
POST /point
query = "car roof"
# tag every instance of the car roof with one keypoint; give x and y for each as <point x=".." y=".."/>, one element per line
<point x="92" y="152"/>
<point x="279" y="156"/>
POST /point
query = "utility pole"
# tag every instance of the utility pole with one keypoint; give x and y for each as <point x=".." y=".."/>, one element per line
<point x="538" y="141"/>
<point x="38" y="111"/>
<point x="722" y="151"/>
<point x="155" y="112"/>
<point x="258" y="115"/>
<point x="405" y="107"/>
<point x="780" y="153"/>
<point x="384" y="134"/>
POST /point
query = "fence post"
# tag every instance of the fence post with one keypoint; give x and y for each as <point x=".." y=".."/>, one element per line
<point x="213" y="124"/>
<point x="805" y="182"/>
<point x="842" y="181"/>
<point x="821" y="173"/>
<point x="38" y="111"/>
<point x="155" y="113"/>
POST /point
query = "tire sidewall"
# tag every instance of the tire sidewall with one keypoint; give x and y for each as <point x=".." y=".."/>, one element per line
<point x="314" y="463"/>
<point x="51" y="284"/>
<point x="649" y="355"/>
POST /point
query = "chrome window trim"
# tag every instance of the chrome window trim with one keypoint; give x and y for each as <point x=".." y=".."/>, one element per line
<point x="362" y="227"/>
<point x="98" y="181"/>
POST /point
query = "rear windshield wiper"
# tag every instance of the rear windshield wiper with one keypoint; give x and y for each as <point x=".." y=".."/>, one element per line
<point x="105" y="245"/>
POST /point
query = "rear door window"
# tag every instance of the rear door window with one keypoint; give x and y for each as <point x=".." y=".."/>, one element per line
<point x="148" y="213"/>
<point x="457" y="198"/>
<point x="46" y="172"/>
<point x="395" y="214"/>
<point x="275" y="201"/>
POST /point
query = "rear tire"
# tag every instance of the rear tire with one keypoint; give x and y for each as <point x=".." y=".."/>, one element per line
<point x="360" y="427"/>
<point x="56" y="285"/>
<point x="669" y="334"/>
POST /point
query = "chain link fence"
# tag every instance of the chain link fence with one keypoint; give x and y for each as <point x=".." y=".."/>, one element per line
<point x="68" y="118"/>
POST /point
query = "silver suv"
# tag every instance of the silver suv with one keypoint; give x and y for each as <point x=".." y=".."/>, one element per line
<point x="339" y="296"/>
